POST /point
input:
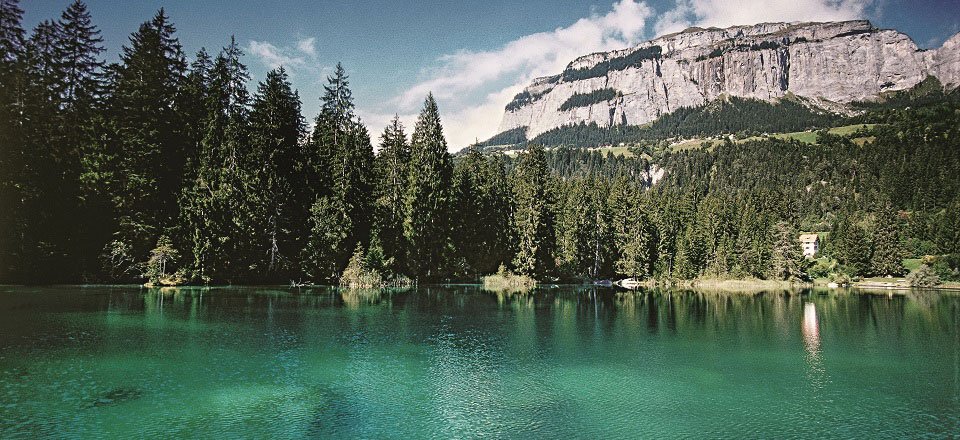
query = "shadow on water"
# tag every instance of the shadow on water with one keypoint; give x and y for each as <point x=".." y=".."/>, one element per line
<point x="117" y="396"/>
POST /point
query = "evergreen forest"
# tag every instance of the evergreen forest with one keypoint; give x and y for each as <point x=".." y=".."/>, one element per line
<point x="175" y="169"/>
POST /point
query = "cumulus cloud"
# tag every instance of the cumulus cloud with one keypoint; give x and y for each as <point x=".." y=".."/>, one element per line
<point x="299" y="58"/>
<point x="723" y="13"/>
<point x="308" y="46"/>
<point x="272" y="56"/>
<point x="472" y="87"/>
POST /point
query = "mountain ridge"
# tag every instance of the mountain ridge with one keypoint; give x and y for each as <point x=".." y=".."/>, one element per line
<point x="829" y="65"/>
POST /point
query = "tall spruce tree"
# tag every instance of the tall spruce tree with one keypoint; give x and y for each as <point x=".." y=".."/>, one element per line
<point x="888" y="251"/>
<point x="46" y="164"/>
<point x="851" y="246"/>
<point x="81" y="217"/>
<point x="277" y="127"/>
<point x="427" y="218"/>
<point x="82" y="66"/>
<point x="219" y="218"/>
<point x="786" y="259"/>
<point x="12" y="49"/>
<point x="532" y="218"/>
<point x="392" y="170"/>
<point x="340" y="167"/>
<point x="193" y="104"/>
<point x="633" y="232"/>
<point x="481" y="214"/>
<point x="148" y="154"/>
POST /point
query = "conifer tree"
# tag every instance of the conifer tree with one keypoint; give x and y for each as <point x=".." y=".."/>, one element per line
<point x="633" y="232"/>
<point x="887" y="249"/>
<point x="851" y="246"/>
<point x="218" y="216"/>
<point x="392" y="170"/>
<point x="572" y="249"/>
<point x="329" y="232"/>
<point x="81" y="47"/>
<point x="44" y="162"/>
<point x="481" y="213"/>
<point x="427" y="218"/>
<point x="276" y="130"/>
<point x="147" y="151"/>
<point x="83" y="87"/>
<point x="340" y="167"/>
<point x="786" y="259"/>
<point x="193" y="104"/>
<point x="532" y="219"/>
<point x="12" y="150"/>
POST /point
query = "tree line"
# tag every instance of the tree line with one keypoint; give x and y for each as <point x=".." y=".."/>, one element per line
<point x="160" y="169"/>
<point x="156" y="167"/>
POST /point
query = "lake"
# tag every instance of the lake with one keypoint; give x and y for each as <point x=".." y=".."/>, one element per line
<point x="460" y="362"/>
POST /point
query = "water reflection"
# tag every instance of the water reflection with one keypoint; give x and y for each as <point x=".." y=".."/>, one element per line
<point x="816" y="375"/>
<point x="355" y="298"/>
<point x="462" y="362"/>
<point x="811" y="330"/>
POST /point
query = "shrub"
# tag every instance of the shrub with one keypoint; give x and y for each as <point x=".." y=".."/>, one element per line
<point x="822" y="268"/>
<point x="358" y="274"/>
<point x="923" y="276"/>
<point x="505" y="280"/>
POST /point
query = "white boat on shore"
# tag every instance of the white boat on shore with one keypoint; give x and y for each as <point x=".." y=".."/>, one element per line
<point x="630" y="283"/>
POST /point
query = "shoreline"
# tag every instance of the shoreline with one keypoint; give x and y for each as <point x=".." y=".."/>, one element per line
<point x="735" y="285"/>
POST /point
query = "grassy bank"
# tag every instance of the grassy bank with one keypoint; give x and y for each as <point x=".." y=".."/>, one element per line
<point x="507" y="281"/>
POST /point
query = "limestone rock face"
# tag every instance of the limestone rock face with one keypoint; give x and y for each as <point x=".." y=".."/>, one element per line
<point x="828" y="64"/>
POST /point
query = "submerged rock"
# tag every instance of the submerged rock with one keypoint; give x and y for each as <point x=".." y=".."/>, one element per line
<point x="117" y="396"/>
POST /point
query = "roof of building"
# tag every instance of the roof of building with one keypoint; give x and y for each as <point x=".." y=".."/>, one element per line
<point x="807" y="238"/>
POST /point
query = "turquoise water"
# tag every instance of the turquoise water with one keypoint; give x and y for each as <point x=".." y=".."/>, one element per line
<point x="120" y="362"/>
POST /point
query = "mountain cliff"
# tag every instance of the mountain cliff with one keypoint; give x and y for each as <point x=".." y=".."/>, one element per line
<point x="826" y="65"/>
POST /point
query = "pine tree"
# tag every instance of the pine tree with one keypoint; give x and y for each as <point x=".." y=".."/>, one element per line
<point x="81" y="45"/>
<point x="329" y="231"/>
<point x="600" y="241"/>
<point x="569" y="228"/>
<point x="786" y="259"/>
<point x="481" y="213"/>
<point x="44" y="160"/>
<point x="851" y="246"/>
<point x="427" y="218"/>
<point x="532" y="219"/>
<point x="887" y="249"/>
<point x="218" y="215"/>
<point x="148" y="154"/>
<point x="12" y="148"/>
<point x="11" y="35"/>
<point x="331" y="131"/>
<point x="276" y="130"/>
<point x="193" y="105"/>
<point x="83" y="86"/>
<point x="633" y="232"/>
<point x="340" y="164"/>
<point x="392" y="170"/>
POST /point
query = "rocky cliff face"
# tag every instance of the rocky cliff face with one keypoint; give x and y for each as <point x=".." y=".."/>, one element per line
<point x="828" y="64"/>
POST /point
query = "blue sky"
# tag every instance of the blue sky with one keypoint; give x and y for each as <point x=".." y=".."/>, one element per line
<point x="474" y="56"/>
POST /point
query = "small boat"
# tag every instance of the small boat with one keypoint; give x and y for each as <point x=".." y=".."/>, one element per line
<point x="629" y="283"/>
<point x="603" y="283"/>
<point x="301" y="283"/>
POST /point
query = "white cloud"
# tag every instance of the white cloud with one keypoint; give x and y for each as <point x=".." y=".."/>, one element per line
<point x="723" y="13"/>
<point x="308" y="46"/>
<point x="472" y="87"/>
<point x="272" y="56"/>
